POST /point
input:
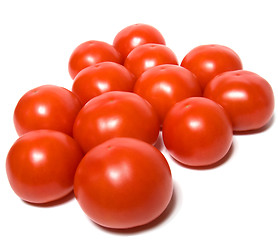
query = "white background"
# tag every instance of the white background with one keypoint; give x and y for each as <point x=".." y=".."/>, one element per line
<point x="236" y="200"/>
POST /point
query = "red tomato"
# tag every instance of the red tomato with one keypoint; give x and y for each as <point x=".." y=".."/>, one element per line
<point x="135" y="35"/>
<point x="102" y="77"/>
<point x="41" y="165"/>
<point x="90" y="53"/>
<point x="197" y="132"/>
<point x="123" y="183"/>
<point x="247" y="98"/>
<point x="207" y="61"/>
<point x="46" y="107"/>
<point x="164" y="85"/>
<point x="115" y="114"/>
<point x="147" y="56"/>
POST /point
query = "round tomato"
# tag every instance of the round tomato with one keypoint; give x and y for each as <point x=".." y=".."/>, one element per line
<point x="123" y="183"/>
<point x="207" y="61"/>
<point x="197" y="132"/>
<point x="147" y="56"/>
<point x="90" y="53"/>
<point x="115" y="114"/>
<point x="41" y="165"/>
<point x="46" y="107"/>
<point x="135" y="35"/>
<point x="247" y="98"/>
<point x="102" y="77"/>
<point x="164" y="85"/>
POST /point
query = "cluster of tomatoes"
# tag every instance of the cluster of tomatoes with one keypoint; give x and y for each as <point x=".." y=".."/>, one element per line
<point x="98" y="138"/>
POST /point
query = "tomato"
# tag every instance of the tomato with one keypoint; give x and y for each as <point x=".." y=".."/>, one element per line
<point x="41" y="165"/>
<point x="135" y="35"/>
<point x="102" y="77"/>
<point x="147" y="56"/>
<point x="123" y="183"/>
<point x="207" y="61"/>
<point x="46" y="107"/>
<point x="164" y="85"/>
<point x="247" y="98"/>
<point x="197" y="132"/>
<point x="115" y="114"/>
<point x="90" y="53"/>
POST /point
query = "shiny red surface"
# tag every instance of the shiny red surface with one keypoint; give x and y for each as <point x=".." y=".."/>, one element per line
<point x="147" y="56"/>
<point x="90" y="53"/>
<point x="164" y="85"/>
<point x="46" y="107"/>
<point x="115" y="114"/>
<point x="41" y="165"/>
<point x="135" y="35"/>
<point x="123" y="183"/>
<point x="247" y="98"/>
<point x="102" y="77"/>
<point x="207" y="61"/>
<point x="197" y="132"/>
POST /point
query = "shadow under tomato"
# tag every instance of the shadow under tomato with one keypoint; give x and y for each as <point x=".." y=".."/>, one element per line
<point x="211" y="166"/>
<point x="153" y="224"/>
<point x="159" y="142"/>
<point x="54" y="203"/>
<point x="256" y="131"/>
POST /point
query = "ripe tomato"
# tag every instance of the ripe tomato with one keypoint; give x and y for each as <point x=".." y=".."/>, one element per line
<point x="123" y="183"/>
<point x="115" y="114"/>
<point x="135" y="35"/>
<point x="41" y="165"/>
<point x="46" y="107"/>
<point x="102" y="77"/>
<point x="164" y="85"/>
<point x="147" y="56"/>
<point x="247" y="98"/>
<point x="207" y="61"/>
<point x="90" y="53"/>
<point x="197" y="132"/>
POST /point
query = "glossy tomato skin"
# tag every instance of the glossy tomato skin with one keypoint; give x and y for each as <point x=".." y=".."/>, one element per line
<point x="247" y="98"/>
<point x="207" y="61"/>
<point x="135" y="35"/>
<point x="123" y="183"/>
<point x="90" y="53"/>
<point x="115" y="114"/>
<point x="164" y="85"/>
<point x="41" y="165"/>
<point x="102" y="77"/>
<point x="46" y="107"/>
<point x="147" y="56"/>
<point x="197" y="132"/>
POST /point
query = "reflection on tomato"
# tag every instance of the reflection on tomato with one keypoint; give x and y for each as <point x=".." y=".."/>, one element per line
<point x="164" y="85"/>
<point x="207" y="61"/>
<point x="115" y="114"/>
<point x="147" y="56"/>
<point x="90" y="53"/>
<point x="123" y="183"/>
<point x="41" y="165"/>
<point x="102" y="77"/>
<point x="197" y="132"/>
<point x="247" y="98"/>
<point x="135" y="35"/>
<point x="46" y="107"/>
